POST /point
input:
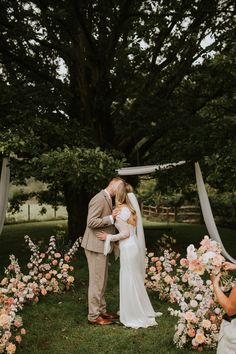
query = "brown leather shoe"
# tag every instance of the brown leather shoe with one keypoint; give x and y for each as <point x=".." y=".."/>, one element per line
<point x="109" y="315"/>
<point x="100" y="321"/>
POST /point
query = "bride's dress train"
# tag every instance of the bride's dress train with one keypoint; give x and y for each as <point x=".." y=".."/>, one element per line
<point x="135" y="307"/>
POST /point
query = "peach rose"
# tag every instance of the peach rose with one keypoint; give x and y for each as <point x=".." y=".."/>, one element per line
<point x="196" y="266"/>
<point x="65" y="266"/>
<point x="54" y="262"/>
<point x="11" y="348"/>
<point x="67" y="258"/>
<point x="18" y="339"/>
<point x="168" y="279"/>
<point x="43" y="291"/>
<point x="191" y="332"/>
<point x="206" y="324"/>
<point x="5" y="320"/>
<point x="57" y="255"/>
<point x="70" y="279"/>
<point x="200" y="338"/>
<point x="4" y="281"/>
<point x="48" y="276"/>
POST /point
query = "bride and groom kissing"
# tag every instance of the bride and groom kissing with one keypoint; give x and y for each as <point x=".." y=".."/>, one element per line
<point x="119" y="229"/>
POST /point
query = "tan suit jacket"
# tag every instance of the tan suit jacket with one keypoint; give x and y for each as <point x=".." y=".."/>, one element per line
<point x="99" y="211"/>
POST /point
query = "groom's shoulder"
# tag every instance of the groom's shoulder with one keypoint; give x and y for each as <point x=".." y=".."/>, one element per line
<point x="98" y="196"/>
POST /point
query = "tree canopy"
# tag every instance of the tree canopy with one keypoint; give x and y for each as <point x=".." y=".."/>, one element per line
<point x="153" y="80"/>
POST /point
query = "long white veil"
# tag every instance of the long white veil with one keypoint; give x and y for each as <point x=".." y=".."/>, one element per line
<point x="140" y="233"/>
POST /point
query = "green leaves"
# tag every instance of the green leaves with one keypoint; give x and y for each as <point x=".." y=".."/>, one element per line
<point x="84" y="169"/>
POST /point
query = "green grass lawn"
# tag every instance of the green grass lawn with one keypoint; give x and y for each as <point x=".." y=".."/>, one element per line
<point x="58" y="323"/>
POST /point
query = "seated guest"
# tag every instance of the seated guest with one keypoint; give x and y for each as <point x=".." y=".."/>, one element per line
<point x="227" y="335"/>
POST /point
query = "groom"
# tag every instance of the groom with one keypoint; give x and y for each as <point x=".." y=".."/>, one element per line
<point x="100" y="218"/>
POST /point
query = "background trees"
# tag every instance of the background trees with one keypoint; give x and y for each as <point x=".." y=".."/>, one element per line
<point x="153" y="81"/>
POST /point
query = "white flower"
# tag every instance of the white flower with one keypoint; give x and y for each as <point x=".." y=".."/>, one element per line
<point x="207" y="256"/>
<point x="191" y="253"/>
<point x="198" y="297"/>
<point x="217" y="311"/>
<point x="193" y="303"/>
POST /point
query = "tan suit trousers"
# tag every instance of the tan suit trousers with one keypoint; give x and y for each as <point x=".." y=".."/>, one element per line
<point x="98" y="275"/>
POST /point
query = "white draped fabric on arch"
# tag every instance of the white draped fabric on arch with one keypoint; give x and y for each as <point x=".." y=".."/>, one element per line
<point x="4" y="190"/>
<point x="203" y="197"/>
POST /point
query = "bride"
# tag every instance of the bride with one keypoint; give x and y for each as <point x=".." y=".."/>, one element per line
<point x="135" y="307"/>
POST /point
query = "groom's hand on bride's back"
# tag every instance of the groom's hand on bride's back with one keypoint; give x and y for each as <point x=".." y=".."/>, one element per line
<point x="115" y="212"/>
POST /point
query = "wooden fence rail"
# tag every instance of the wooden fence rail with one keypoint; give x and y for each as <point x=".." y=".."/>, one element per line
<point x="185" y="213"/>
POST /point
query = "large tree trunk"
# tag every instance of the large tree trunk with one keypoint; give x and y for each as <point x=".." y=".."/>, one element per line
<point x="77" y="207"/>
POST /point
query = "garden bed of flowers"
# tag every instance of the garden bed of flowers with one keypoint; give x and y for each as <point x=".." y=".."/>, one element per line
<point x="186" y="283"/>
<point x="49" y="271"/>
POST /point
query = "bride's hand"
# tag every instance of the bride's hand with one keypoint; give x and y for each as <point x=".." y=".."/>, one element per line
<point x="102" y="235"/>
<point x="115" y="212"/>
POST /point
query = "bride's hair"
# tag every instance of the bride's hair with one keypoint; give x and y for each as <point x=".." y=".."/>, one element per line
<point x="122" y="197"/>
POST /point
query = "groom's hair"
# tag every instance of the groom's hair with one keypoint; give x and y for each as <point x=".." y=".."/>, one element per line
<point x="117" y="178"/>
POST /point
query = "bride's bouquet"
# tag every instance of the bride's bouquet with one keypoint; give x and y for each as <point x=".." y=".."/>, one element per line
<point x="207" y="258"/>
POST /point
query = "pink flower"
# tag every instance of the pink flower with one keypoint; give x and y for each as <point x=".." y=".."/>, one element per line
<point x="173" y="262"/>
<point x="22" y="331"/>
<point x="190" y="316"/>
<point x="57" y="255"/>
<point x="152" y="269"/>
<point x="206" y="242"/>
<point x="154" y="259"/>
<point x="67" y="258"/>
<point x="54" y="262"/>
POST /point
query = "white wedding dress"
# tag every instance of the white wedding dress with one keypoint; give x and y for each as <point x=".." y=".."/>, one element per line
<point x="135" y="307"/>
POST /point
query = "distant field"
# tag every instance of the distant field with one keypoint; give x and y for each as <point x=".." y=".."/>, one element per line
<point x="33" y="212"/>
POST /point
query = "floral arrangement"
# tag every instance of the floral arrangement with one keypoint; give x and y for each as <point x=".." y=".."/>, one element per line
<point x="207" y="258"/>
<point x="49" y="272"/>
<point x="199" y="317"/>
<point x="180" y="280"/>
<point x="49" y="269"/>
<point x="161" y="272"/>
